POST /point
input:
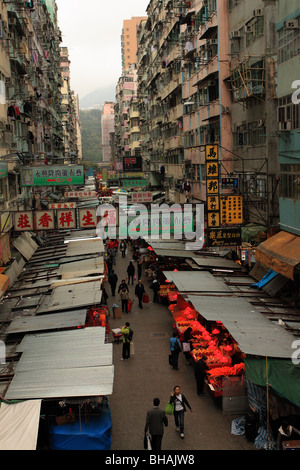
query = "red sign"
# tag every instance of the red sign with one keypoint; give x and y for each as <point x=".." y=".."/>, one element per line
<point x="23" y="221"/>
<point x="44" y="220"/>
<point x="66" y="219"/>
<point x="87" y="218"/>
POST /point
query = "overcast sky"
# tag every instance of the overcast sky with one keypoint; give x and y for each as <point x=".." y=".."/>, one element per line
<point x="91" y="29"/>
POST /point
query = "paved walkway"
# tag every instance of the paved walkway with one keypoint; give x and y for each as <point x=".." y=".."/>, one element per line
<point x="148" y="375"/>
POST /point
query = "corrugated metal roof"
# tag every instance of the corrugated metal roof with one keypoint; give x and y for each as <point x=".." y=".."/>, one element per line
<point x="196" y="281"/>
<point x="25" y="245"/>
<point x="22" y="324"/>
<point x="255" y="334"/>
<point x="81" y="268"/>
<point x="74" y="363"/>
<point x="216" y="262"/>
<point x="174" y="253"/>
<point x="15" y="269"/>
<point x="71" y="297"/>
<point x="85" y="247"/>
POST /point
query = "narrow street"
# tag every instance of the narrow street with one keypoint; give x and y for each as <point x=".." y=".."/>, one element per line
<point x="148" y="375"/>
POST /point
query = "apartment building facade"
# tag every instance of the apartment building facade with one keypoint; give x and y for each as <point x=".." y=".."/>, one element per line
<point x="129" y="41"/>
<point x="288" y="91"/>
<point x="107" y="127"/>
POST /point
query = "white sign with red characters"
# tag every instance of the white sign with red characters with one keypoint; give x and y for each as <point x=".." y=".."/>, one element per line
<point x="66" y="218"/>
<point x="145" y="196"/>
<point x="87" y="218"/>
<point x="44" y="220"/>
<point x="23" y="221"/>
<point x="62" y="205"/>
<point x="83" y="193"/>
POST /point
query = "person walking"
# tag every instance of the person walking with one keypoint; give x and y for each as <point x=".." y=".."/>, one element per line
<point x="175" y="348"/>
<point x="109" y="263"/>
<point x="127" y="337"/>
<point x="130" y="272"/>
<point x="180" y="403"/>
<point x="200" y="374"/>
<point x="123" y="248"/>
<point x="155" y="287"/>
<point x="187" y="339"/>
<point x="113" y="279"/>
<point x="123" y="284"/>
<point x="124" y="297"/>
<point x="156" y="420"/>
<point x="139" y="292"/>
<point x="104" y="295"/>
<point x="140" y="267"/>
<point x="113" y="254"/>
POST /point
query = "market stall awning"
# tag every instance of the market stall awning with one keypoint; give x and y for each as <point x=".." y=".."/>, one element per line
<point x="255" y="334"/>
<point x="283" y="376"/>
<point x="197" y="281"/>
<point x="19" y="425"/>
<point x="280" y="253"/>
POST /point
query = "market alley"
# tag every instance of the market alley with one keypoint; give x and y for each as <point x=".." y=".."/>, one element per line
<point x="148" y="375"/>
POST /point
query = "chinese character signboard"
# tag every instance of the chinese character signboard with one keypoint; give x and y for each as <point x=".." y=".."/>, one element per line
<point x="44" y="220"/>
<point x="212" y="185"/>
<point x="83" y="193"/>
<point x="23" y="221"/>
<point x="231" y="210"/>
<point x="134" y="183"/>
<point x="66" y="218"/>
<point x="132" y="164"/>
<point x="230" y="183"/>
<point x="141" y="197"/>
<point x="63" y="175"/>
<point x="87" y="218"/>
<point x="224" y="237"/>
<point x="62" y="205"/>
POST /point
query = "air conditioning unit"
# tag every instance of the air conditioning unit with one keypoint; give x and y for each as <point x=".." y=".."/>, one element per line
<point x="285" y="126"/>
<point x="235" y="35"/>
<point x="212" y="42"/>
<point x="248" y="29"/>
<point x="291" y="24"/>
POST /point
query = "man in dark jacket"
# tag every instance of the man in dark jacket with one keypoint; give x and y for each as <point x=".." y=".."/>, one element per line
<point x="156" y="419"/>
<point x="200" y="374"/>
<point x="113" y="279"/>
<point x="139" y="292"/>
<point x="155" y="287"/>
<point x="130" y="272"/>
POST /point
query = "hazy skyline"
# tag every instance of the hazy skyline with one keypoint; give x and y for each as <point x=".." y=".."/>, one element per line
<point x="92" y="34"/>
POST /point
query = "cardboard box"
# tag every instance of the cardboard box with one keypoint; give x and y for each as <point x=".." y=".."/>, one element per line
<point x="117" y="312"/>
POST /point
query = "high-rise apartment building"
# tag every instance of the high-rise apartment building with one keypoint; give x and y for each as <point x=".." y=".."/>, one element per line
<point x="107" y="127"/>
<point x="129" y="41"/>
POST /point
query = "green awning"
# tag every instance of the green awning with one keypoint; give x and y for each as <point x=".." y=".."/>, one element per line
<point x="283" y="376"/>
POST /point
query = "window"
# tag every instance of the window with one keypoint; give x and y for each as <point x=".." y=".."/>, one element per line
<point x="288" y="114"/>
<point x="290" y="181"/>
<point x="289" y="44"/>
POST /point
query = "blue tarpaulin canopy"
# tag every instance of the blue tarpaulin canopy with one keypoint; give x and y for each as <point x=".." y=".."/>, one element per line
<point x="93" y="434"/>
<point x="266" y="279"/>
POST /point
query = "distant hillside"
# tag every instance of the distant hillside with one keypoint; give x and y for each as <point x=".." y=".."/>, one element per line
<point x="98" y="96"/>
<point x="91" y="135"/>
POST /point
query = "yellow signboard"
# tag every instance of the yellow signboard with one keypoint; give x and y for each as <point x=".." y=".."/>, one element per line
<point x="231" y="210"/>
<point x="213" y="219"/>
<point x="212" y="153"/>
<point x="212" y="186"/>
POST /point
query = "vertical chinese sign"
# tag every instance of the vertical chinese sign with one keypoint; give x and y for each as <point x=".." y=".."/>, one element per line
<point x="212" y="185"/>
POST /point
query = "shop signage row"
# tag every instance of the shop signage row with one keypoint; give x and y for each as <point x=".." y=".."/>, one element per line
<point x="55" y="219"/>
<point x="83" y="193"/>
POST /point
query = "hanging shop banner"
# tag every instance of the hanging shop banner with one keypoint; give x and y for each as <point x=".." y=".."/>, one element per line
<point x="212" y="185"/>
<point x="87" y="218"/>
<point x="23" y="221"/>
<point x="44" y="220"/>
<point x="62" y="205"/>
<point x="5" y="253"/>
<point x="82" y="193"/>
<point x="224" y="237"/>
<point x="231" y="210"/>
<point x="113" y="175"/>
<point x="140" y="197"/>
<point x="53" y="176"/>
<point x="66" y="219"/>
